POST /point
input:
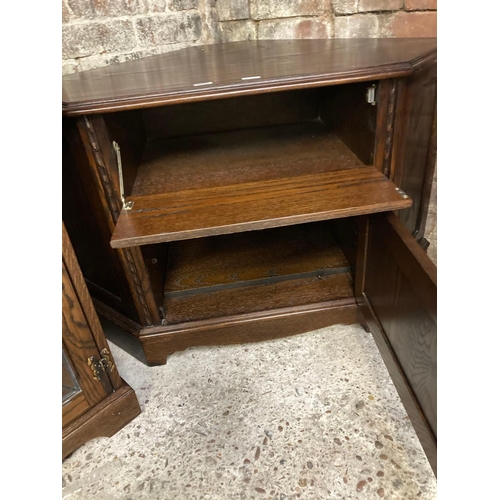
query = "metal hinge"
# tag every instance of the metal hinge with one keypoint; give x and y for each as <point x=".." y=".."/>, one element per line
<point x="127" y="205"/>
<point x="105" y="364"/>
<point x="107" y="361"/>
<point x="96" y="367"/>
<point x="370" y="95"/>
<point x="163" y="315"/>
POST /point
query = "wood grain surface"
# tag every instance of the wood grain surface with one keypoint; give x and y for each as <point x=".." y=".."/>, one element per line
<point x="160" y="341"/>
<point x="73" y="408"/>
<point x="237" y="259"/>
<point x="85" y="302"/>
<point x="103" y="420"/>
<point x="399" y="301"/>
<point x="234" y="157"/>
<point x="254" y="271"/>
<point x="414" y="160"/>
<point x="223" y="70"/>
<point x="344" y="108"/>
<point x="79" y="344"/>
<point x="235" y="113"/>
<point x="256" y="205"/>
<point x="259" y="297"/>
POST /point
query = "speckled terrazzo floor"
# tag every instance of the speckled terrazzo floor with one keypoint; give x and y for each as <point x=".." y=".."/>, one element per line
<point x="312" y="416"/>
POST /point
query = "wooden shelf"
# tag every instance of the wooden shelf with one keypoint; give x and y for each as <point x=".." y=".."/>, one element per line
<point x="239" y="156"/>
<point x="251" y="179"/>
<point x="254" y="271"/>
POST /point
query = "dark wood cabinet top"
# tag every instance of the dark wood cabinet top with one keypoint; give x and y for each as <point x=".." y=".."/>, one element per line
<point x="237" y="68"/>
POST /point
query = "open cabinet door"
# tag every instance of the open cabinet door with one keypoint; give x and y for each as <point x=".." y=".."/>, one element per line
<point x="396" y="291"/>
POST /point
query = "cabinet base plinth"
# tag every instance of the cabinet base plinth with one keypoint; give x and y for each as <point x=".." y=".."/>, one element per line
<point x="152" y="345"/>
<point x="104" y="420"/>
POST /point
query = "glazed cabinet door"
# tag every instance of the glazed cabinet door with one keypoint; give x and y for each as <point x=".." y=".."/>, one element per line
<point x="85" y="383"/>
<point x="95" y="400"/>
<point x="396" y="290"/>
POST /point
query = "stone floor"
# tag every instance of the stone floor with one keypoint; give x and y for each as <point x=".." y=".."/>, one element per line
<point x="312" y="416"/>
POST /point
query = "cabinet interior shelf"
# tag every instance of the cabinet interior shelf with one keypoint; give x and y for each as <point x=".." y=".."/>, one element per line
<point x="255" y="271"/>
<point x="233" y="181"/>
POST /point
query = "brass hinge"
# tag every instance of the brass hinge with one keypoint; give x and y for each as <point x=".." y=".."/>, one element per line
<point x="127" y="205"/>
<point x="370" y="95"/>
<point x="107" y="361"/>
<point x="96" y="367"/>
<point x="105" y="364"/>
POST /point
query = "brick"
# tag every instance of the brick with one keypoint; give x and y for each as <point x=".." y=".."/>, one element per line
<point x="379" y="5"/>
<point x="118" y="58"/>
<point x="294" y="28"/>
<point x="420" y="4"/>
<point x="272" y="9"/>
<point x="99" y="61"/>
<point x="345" y="6"/>
<point x="117" y="36"/>
<point x="235" y="31"/>
<point x="83" y="9"/>
<point x="412" y="24"/>
<point x="231" y="10"/>
<point x="357" y="26"/>
<point x="165" y="30"/>
<point x="80" y="40"/>
<point x="183" y="4"/>
<point x="211" y="31"/>
<point x="112" y="8"/>
<point x="157" y="5"/>
<point x="66" y="15"/>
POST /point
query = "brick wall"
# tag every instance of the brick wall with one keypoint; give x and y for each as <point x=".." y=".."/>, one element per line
<point x="101" y="32"/>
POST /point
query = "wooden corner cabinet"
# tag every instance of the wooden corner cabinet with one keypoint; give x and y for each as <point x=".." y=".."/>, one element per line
<point x="95" y="400"/>
<point x="252" y="190"/>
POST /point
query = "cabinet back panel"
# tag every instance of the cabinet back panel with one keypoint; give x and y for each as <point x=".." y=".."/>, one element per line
<point x="238" y="259"/>
<point x="292" y="293"/>
<point x="232" y="114"/>
<point x="255" y="271"/>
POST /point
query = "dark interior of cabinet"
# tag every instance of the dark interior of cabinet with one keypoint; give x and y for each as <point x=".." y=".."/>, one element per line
<point x="255" y="271"/>
<point x="227" y="142"/>
<point x="247" y="163"/>
<point x="243" y="139"/>
<point x="86" y="224"/>
<point x="227" y="275"/>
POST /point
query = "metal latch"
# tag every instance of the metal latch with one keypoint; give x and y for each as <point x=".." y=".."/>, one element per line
<point x="127" y="205"/>
<point x="370" y="95"/>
